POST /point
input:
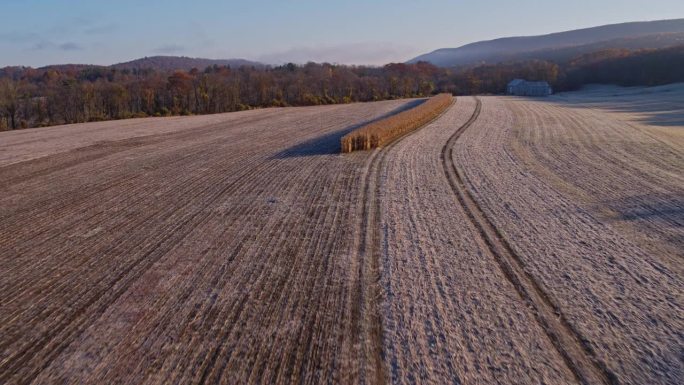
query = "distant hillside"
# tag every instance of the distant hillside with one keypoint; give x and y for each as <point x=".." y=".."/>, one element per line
<point x="68" y="67"/>
<point x="158" y="63"/>
<point x="170" y="63"/>
<point x="626" y="68"/>
<point x="565" y="54"/>
<point x="562" y="45"/>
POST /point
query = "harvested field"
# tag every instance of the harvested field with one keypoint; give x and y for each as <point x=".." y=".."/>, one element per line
<point x="544" y="174"/>
<point x="642" y="195"/>
<point x="508" y="241"/>
<point x="450" y="315"/>
<point x="214" y="253"/>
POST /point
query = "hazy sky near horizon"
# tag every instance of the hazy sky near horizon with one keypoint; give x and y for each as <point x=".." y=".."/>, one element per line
<point x="36" y="33"/>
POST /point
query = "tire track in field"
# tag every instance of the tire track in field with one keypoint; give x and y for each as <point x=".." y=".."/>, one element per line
<point x="366" y="316"/>
<point x="299" y="365"/>
<point x="578" y="356"/>
<point x="365" y="290"/>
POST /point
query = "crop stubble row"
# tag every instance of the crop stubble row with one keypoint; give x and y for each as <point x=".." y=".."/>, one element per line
<point x="578" y="357"/>
<point x="624" y="302"/>
<point x="204" y="263"/>
<point x="380" y="133"/>
<point x="368" y="243"/>
<point x="221" y="255"/>
<point x="450" y="315"/>
<point x="612" y="310"/>
<point x="613" y="166"/>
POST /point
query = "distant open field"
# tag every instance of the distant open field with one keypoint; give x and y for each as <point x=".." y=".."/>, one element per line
<point x="509" y="241"/>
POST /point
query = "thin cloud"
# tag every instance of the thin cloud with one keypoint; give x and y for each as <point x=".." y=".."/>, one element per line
<point x="169" y="48"/>
<point x="69" y="26"/>
<point x="42" y="45"/>
<point x="69" y="46"/>
<point x="77" y="28"/>
<point x="356" y="53"/>
<point x="19" y="37"/>
<point x="199" y="35"/>
<point x="101" y="29"/>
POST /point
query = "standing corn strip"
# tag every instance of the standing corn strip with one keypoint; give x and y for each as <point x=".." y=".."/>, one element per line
<point x="383" y="131"/>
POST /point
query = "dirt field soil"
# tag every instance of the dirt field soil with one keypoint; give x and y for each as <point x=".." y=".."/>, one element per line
<point x="508" y="241"/>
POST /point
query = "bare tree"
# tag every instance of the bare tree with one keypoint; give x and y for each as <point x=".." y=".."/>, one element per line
<point x="9" y="101"/>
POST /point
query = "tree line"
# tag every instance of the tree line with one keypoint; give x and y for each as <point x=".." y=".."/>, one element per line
<point x="627" y="68"/>
<point x="73" y="94"/>
<point x="41" y="97"/>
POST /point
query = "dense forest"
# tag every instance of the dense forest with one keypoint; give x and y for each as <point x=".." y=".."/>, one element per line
<point x="71" y="94"/>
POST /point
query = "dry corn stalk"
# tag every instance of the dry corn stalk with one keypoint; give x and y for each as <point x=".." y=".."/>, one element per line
<point x="383" y="131"/>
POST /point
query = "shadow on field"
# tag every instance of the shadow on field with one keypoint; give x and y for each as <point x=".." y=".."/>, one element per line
<point x="328" y="144"/>
<point x="653" y="113"/>
<point x="667" y="208"/>
<point x="658" y="106"/>
<point x="656" y="113"/>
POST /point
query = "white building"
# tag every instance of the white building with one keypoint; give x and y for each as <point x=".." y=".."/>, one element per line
<point x="521" y="87"/>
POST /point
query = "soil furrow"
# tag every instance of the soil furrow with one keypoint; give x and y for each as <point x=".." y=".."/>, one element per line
<point x="577" y="355"/>
<point x="366" y="314"/>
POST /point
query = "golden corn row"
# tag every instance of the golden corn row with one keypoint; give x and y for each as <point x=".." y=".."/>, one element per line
<point x="385" y="130"/>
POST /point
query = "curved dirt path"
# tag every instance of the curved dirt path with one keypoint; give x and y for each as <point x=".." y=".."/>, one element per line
<point x="534" y="167"/>
<point x="450" y="315"/>
<point x="577" y="355"/>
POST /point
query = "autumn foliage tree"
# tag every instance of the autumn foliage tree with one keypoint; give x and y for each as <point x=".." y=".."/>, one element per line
<point x="70" y="94"/>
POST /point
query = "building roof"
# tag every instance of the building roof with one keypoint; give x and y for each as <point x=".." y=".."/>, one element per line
<point x="537" y="84"/>
<point x="516" y="82"/>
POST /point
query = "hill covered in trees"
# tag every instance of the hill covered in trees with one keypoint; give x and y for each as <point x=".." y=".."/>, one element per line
<point x="70" y="94"/>
<point x="171" y="63"/>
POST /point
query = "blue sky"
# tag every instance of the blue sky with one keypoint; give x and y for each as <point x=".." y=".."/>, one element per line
<point x="36" y="33"/>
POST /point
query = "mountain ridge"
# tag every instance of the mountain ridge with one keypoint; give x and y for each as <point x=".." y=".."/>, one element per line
<point x="666" y="32"/>
<point x="161" y="63"/>
<point x="170" y="63"/>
